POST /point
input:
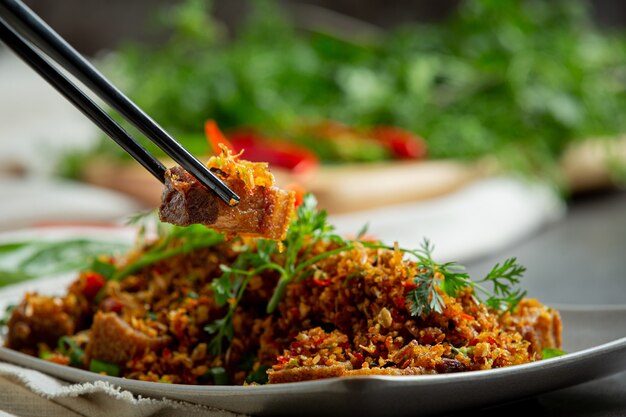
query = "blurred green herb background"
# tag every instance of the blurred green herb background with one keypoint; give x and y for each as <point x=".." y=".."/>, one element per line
<point x="512" y="78"/>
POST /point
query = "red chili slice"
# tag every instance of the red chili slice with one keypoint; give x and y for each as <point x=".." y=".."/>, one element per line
<point x="215" y="136"/>
<point x="257" y="148"/>
<point x="93" y="283"/>
<point x="409" y="284"/>
<point x="400" y="302"/>
<point x="321" y="282"/>
<point x="278" y="153"/>
<point x="359" y="359"/>
<point x="467" y="316"/>
<point x="402" y="143"/>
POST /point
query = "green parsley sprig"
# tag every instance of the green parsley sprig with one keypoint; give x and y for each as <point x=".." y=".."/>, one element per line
<point x="293" y="262"/>
<point x="171" y="241"/>
<point x="309" y="227"/>
<point x="290" y="262"/>
<point x="450" y="277"/>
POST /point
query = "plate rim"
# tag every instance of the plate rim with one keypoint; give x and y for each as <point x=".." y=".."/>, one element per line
<point x="7" y="354"/>
<point x="80" y="375"/>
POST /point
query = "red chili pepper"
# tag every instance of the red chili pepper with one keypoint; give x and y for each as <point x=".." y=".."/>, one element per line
<point x="403" y="144"/>
<point x="93" y="283"/>
<point x="492" y="340"/>
<point x="215" y="136"/>
<point x="321" y="282"/>
<point x="279" y="153"/>
<point x="474" y="342"/>
<point x="359" y="359"/>
<point x="60" y="359"/>
<point x="409" y="284"/>
<point x="400" y="302"/>
<point x="320" y="340"/>
<point x="282" y="359"/>
<point x="467" y="316"/>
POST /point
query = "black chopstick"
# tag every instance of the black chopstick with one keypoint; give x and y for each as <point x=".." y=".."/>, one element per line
<point x="81" y="101"/>
<point x="28" y="24"/>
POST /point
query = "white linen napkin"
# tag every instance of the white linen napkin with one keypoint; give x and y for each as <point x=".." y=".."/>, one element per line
<point x="25" y="392"/>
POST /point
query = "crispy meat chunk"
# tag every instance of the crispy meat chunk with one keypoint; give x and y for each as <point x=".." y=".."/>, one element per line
<point x="39" y="319"/>
<point x="307" y="373"/>
<point x="113" y="340"/>
<point x="537" y="323"/>
<point x="264" y="211"/>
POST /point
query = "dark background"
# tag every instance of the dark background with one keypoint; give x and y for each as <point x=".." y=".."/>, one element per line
<point x="91" y="25"/>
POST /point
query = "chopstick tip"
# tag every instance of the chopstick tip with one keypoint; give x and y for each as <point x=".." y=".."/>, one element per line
<point x="233" y="201"/>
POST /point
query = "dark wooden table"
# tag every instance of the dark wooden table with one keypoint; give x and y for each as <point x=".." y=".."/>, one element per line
<point x="580" y="260"/>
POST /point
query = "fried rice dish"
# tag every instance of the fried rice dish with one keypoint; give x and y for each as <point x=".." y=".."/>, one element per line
<point x="193" y="308"/>
<point x="191" y="305"/>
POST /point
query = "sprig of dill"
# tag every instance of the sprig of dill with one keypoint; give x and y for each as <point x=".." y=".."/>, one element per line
<point x="503" y="278"/>
<point x="451" y="277"/>
<point x="425" y="297"/>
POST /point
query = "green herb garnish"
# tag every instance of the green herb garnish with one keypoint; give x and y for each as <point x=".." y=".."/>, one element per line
<point x="518" y="79"/>
<point x="258" y="376"/>
<point x="6" y="316"/>
<point x="108" y="368"/>
<point x="311" y="227"/>
<point x="105" y="269"/>
<point x="450" y="277"/>
<point x="306" y="230"/>
<point x="173" y="241"/>
<point x="304" y="233"/>
<point x="68" y="347"/>
<point x="548" y="353"/>
<point x="217" y="375"/>
<point x="30" y="259"/>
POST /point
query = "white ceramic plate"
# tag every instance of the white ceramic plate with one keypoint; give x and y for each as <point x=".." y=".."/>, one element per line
<point x="594" y="336"/>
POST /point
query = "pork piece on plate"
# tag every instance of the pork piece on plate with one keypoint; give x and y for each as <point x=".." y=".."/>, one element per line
<point x="113" y="340"/>
<point x="537" y="323"/>
<point x="40" y="319"/>
<point x="264" y="210"/>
